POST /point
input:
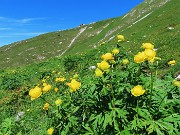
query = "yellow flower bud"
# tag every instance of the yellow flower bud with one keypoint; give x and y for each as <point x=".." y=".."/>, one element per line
<point x="47" y="88"/>
<point x="125" y="61"/>
<point x="50" y="131"/>
<point x="107" y="56"/>
<point x="176" y="83"/>
<point x="147" y="46"/>
<point x="46" y="106"/>
<point x="172" y="62"/>
<point x="56" y="89"/>
<point x="120" y="38"/>
<point x="58" y="102"/>
<point x="137" y="91"/>
<point x="98" y="72"/>
<point x="115" y="51"/>
<point x="103" y="65"/>
<point x="74" y="85"/>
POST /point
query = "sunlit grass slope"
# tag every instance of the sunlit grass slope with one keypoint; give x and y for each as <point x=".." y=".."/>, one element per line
<point x="155" y="21"/>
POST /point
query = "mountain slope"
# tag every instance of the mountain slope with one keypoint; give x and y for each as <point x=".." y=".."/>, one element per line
<point x="154" y="21"/>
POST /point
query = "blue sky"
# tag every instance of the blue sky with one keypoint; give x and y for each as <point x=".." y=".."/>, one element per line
<point x="23" y="19"/>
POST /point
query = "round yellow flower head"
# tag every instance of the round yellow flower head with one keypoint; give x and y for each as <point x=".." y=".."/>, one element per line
<point x="125" y="61"/>
<point x="56" y="89"/>
<point x="172" y="62"/>
<point x="58" y="102"/>
<point x="137" y="91"/>
<point x="147" y="46"/>
<point x="107" y="56"/>
<point x="74" y="85"/>
<point x="140" y="57"/>
<point x="103" y="65"/>
<point x="47" y="88"/>
<point x="46" y="106"/>
<point x="35" y="93"/>
<point x="115" y="51"/>
<point x="176" y="83"/>
<point x="120" y="38"/>
<point x="150" y="54"/>
<point x="50" y="131"/>
<point x="98" y="72"/>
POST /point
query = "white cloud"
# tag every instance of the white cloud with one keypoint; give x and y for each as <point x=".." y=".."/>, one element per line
<point x="21" y="21"/>
<point x="27" y="20"/>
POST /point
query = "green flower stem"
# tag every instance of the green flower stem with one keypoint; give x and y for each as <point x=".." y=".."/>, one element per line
<point x="151" y="80"/>
<point x="166" y="96"/>
<point x="137" y="109"/>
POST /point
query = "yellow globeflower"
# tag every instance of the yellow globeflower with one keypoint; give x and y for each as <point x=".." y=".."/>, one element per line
<point x="56" y="89"/>
<point x="50" y="131"/>
<point x="150" y="54"/>
<point x="103" y="65"/>
<point x="147" y="46"/>
<point x="47" y="88"/>
<point x="115" y="51"/>
<point x="35" y="93"/>
<point x="120" y="38"/>
<point x="60" y="79"/>
<point x="46" y="106"/>
<point x="125" y="61"/>
<point x="74" y="85"/>
<point x="107" y="56"/>
<point x="176" y="83"/>
<point x="140" y="57"/>
<point x="172" y="62"/>
<point x="137" y="91"/>
<point x="98" y="72"/>
<point x="58" y="102"/>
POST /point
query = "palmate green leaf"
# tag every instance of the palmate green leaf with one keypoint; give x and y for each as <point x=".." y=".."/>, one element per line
<point x="76" y="109"/>
<point x="125" y="132"/>
<point x="107" y="120"/>
<point x="72" y="120"/>
<point x="144" y="113"/>
<point x="92" y="117"/>
<point x="88" y="129"/>
<point x="134" y="123"/>
<point x="121" y="113"/>
<point x="160" y="127"/>
<point x="98" y="120"/>
<point x="116" y="125"/>
<point x="151" y="128"/>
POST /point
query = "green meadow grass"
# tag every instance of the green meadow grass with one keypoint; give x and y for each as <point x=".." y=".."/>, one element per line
<point x="25" y="64"/>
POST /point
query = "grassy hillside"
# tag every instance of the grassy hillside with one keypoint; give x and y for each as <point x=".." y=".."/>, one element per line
<point x="154" y="21"/>
<point x="73" y="82"/>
